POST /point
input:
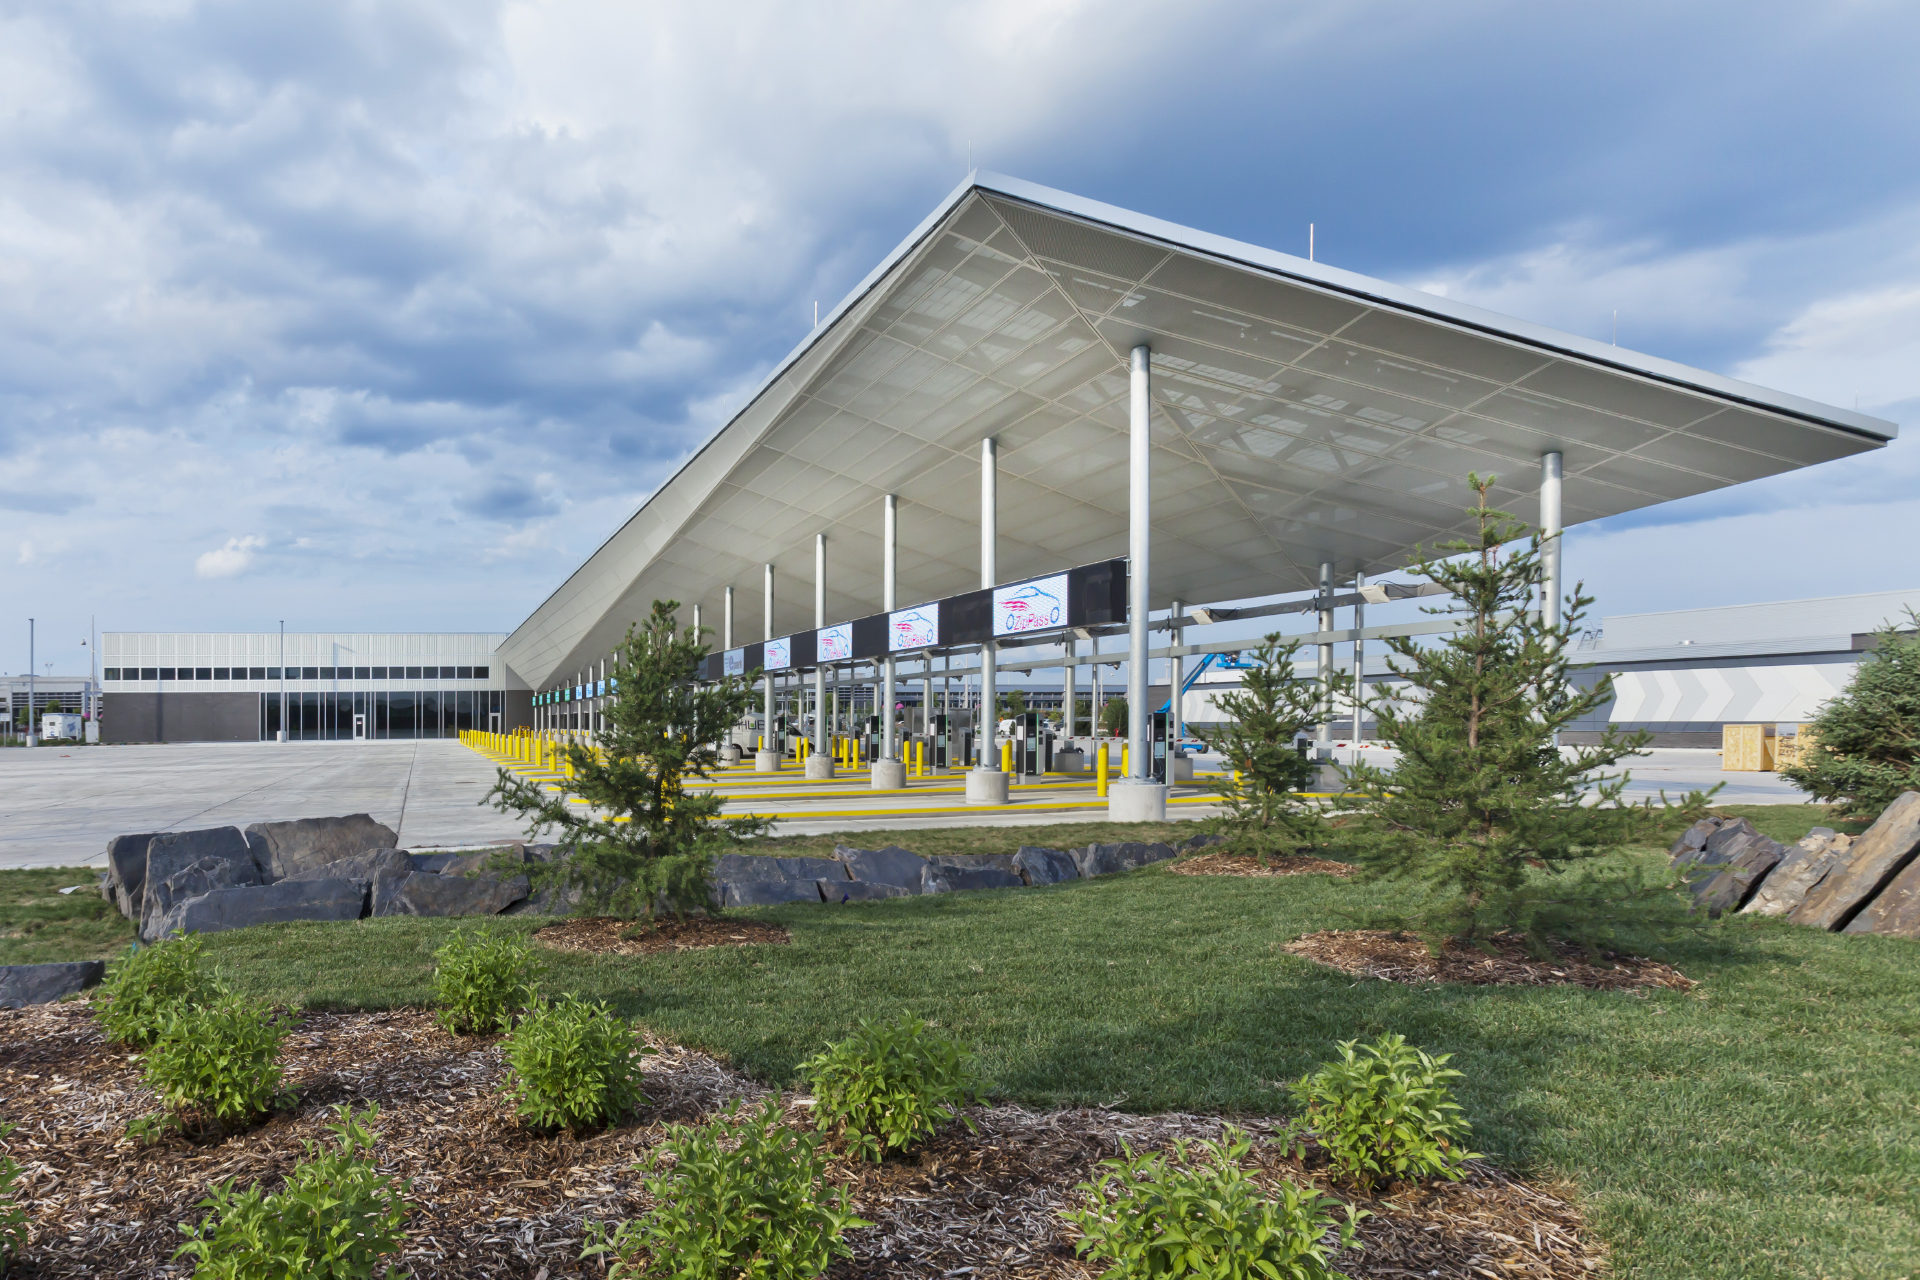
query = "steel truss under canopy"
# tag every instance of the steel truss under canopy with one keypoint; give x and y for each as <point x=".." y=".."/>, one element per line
<point x="1301" y="415"/>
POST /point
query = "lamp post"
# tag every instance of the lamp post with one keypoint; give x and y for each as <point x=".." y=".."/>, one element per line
<point x="33" y="736"/>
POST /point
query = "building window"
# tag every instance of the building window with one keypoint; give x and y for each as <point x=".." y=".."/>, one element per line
<point x="203" y="673"/>
<point x="149" y="673"/>
<point x="446" y="673"/>
<point x="363" y="673"/>
<point x="413" y="673"/>
<point x="463" y="673"/>
<point x="111" y="673"/>
<point x="379" y="673"/>
<point x="222" y="673"/>
<point x="480" y="673"/>
<point x="326" y="673"/>
<point x="310" y="673"/>
<point x="273" y="673"/>
<point x="166" y="673"/>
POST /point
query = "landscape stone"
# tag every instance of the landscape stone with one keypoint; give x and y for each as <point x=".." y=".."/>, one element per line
<point x="742" y="868"/>
<point x="245" y="905"/>
<point x="201" y="877"/>
<point x="480" y="860"/>
<point x="1895" y="910"/>
<point x="127" y="866"/>
<point x="171" y="851"/>
<point x="1804" y="866"/>
<point x="1693" y="839"/>
<point x="940" y="878"/>
<point x="1040" y="865"/>
<point x="434" y="862"/>
<point x="766" y="893"/>
<point x="859" y="891"/>
<point x="1196" y="843"/>
<point x="426" y="893"/>
<point x="284" y="848"/>
<point x="1108" y="859"/>
<point x="361" y="866"/>
<point x="25" y="984"/>
<point x="891" y="865"/>
<point x="1874" y="858"/>
<point x="973" y="861"/>
<point x="1749" y="861"/>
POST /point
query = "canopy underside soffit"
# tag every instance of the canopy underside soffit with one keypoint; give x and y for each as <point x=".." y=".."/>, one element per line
<point x="1294" y="423"/>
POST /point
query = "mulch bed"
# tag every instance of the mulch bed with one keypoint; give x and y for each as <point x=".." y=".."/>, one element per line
<point x="1399" y="957"/>
<point x="491" y="1199"/>
<point x="607" y="936"/>
<point x="1245" y="864"/>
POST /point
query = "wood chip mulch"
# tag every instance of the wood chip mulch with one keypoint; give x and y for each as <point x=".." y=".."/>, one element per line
<point x="609" y="937"/>
<point x="1245" y="864"/>
<point x="491" y="1199"/>
<point x="1399" y="957"/>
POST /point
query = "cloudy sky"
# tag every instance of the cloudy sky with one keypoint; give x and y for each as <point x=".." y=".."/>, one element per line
<point x="384" y="315"/>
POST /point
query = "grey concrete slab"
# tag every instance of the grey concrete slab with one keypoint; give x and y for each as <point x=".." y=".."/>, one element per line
<point x="60" y="807"/>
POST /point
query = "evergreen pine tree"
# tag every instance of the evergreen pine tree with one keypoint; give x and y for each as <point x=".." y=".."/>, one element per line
<point x="641" y="837"/>
<point x="1866" y="741"/>
<point x="1265" y="812"/>
<point x="1481" y="805"/>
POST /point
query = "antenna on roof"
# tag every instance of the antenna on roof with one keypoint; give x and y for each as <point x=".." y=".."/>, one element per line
<point x="1309" y="242"/>
<point x="1616" y="326"/>
<point x="816" y="313"/>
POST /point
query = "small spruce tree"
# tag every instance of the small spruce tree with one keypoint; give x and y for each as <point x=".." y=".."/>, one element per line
<point x="1265" y="812"/>
<point x="1113" y="717"/>
<point x="1482" y="805"/>
<point x="1866" y="742"/>
<point x="641" y="837"/>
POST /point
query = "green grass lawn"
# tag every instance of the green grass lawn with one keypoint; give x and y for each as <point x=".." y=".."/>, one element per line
<point x="1765" y="1124"/>
<point x="39" y="924"/>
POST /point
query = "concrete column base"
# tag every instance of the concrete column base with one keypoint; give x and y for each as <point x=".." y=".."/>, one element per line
<point x="766" y="762"/>
<point x="889" y="775"/>
<point x="730" y="754"/>
<point x="1327" y="777"/>
<point x="1069" y="762"/>
<point x="1182" y="767"/>
<point x="819" y="767"/>
<point x="1130" y="801"/>
<point x="987" y="786"/>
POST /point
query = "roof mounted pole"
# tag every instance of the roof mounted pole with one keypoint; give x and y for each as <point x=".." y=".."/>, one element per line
<point x="1138" y="798"/>
<point x="726" y="620"/>
<point x="1550" y="475"/>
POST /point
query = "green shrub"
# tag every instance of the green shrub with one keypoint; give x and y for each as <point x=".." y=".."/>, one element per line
<point x="1384" y="1113"/>
<point x="1151" y="1216"/>
<point x="13" y="1219"/>
<point x="481" y="983"/>
<point x="217" y="1064"/>
<point x="742" y="1197"/>
<point x="335" y="1217"/>
<point x="889" y="1084"/>
<point x="147" y="985"/>
<point x="573" y="1064"/>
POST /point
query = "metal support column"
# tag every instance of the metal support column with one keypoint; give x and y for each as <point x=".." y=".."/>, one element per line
<point x="986" y="784"/>
<point x="890" y="563"/>
<point x="1138" y="798"/>
<point x="768" y="760"/>
<point x="1176" y="678"/>
<point x="821" y="729"/>
<point x="1359" y="660"/>
<point x="1324" y="619"/>
<point x="1550" y="469"/>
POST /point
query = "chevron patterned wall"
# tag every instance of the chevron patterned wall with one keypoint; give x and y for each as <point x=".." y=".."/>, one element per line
<point x="1739" y="695"/>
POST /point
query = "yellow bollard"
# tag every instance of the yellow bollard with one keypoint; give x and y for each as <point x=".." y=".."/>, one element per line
<point x="1124" y="748"/>
<point x="1099" y="767"/>
<point x="1006" y="757"/>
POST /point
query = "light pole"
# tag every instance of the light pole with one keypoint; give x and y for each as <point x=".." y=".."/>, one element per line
<point x="283" y="679"/>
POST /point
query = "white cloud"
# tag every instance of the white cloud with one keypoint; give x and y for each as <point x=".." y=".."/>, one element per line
<point x="231" y="560"/>
<point x="26" y="552"/>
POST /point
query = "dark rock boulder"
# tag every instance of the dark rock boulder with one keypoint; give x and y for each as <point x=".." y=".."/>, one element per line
<point x="766" y="893"/>
<point x="1039" y="865"/>
<point x="744" y="868"/>
<point x="25" y="984"/>
<point x="127" y="871"/>
<point x="948" y="878"/>
<point x="239" y="907"/>
<point x="361" y="866"/>
<point x="191" y="881"/>
<point x="427" y="893"/>
<point x="284" y="848"/>
<point x="1748" y="860"/>
<point x="1693" y="839"/>
<point x="1196" y="843"/>
<point x="1800" y="870"/>
<point x="891" y="865"/>
<point x="859" y="891"/>
<point x="172" y="851"/>
<point x="973" y="861"/>
<point x="1873" y="859"/>
<point x="1108" y="859"/>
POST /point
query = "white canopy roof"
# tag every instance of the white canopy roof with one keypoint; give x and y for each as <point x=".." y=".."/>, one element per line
<point x="1302" y="414"/>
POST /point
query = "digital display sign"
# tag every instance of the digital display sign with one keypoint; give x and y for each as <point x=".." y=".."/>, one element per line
<point x="836" y="643"/>
<point x="1040" y="605"/>
<point x="734" y="663"/>
<point x="779" y="653"/>
<point x="915" y="628"/>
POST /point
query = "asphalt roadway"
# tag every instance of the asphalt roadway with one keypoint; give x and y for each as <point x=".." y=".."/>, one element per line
<point x="60" y="805"/>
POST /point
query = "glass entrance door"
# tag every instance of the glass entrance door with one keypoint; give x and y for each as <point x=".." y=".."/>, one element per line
<point x="360" y="727"/>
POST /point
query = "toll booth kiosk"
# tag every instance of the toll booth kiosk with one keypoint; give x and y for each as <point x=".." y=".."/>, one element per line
<point x="1032" y="745"/>
<point x="1160" y="719"/>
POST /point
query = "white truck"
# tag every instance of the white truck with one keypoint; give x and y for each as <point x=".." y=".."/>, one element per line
<point x="60" y="724"/>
